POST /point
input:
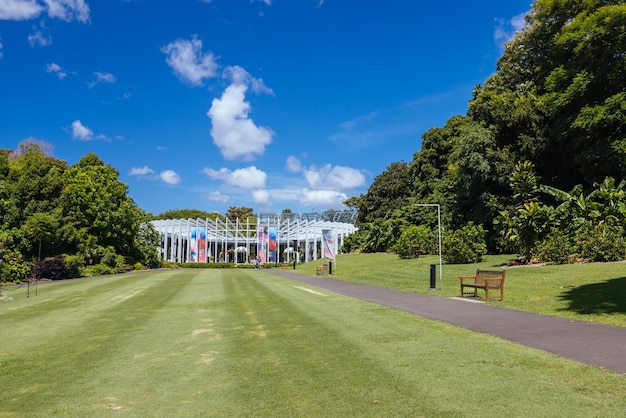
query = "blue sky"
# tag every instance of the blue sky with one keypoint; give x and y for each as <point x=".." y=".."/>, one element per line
<point x="269" y="104"/>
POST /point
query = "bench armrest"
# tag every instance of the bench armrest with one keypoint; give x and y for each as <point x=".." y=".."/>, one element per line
<point x="463" y="278"/>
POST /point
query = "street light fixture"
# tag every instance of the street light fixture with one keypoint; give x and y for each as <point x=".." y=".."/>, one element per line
<point x="439" y="227"/>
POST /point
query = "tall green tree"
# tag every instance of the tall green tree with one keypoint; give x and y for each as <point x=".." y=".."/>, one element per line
<point x="558" y="96"/>
<point x="96" y="210"/>
<point x="242" y="213"/>
<point x="33" y="184"/>
<point x="389" y="190"/>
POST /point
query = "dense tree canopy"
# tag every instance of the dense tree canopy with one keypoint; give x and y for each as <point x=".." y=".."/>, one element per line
<point x="553" y="114"/>
<point x="48" y="209"/>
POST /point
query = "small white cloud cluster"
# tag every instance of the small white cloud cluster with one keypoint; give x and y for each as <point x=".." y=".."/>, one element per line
<point x="326" y="186"/>
<point x="167" y="176"/>
<point x="68" y="10"/>
<point x="83" y="133"/>
<point x="188" y="61"/>
<point x="245" y="178"/>
<point x="56" y="69"/>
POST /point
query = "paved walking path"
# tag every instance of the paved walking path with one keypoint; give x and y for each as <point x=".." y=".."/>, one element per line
<point x="585" y="342"/>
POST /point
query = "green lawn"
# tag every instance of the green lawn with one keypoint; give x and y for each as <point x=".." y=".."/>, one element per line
<point x="589" y="292"/>
<point x="246" y="343"/>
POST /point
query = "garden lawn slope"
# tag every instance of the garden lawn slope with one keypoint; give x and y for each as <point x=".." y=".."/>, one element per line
<point x="245" y="343"/>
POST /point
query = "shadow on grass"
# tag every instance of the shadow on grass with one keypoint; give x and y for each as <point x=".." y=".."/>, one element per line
<point x="606" y="297"/>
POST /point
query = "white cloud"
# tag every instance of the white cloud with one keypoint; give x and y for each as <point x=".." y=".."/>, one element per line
<point x="68" y="10"/>
<point x="293" y="164"/>
<point x="1" y="46"/>
<point x="322" y="198"/>
<point x="334" y="178"/>
<point x="19" y="9"/>
<point x="233" y="132"/>
<point x="56" y="69"/>
<point x="189" y="62"/>
<point x="217" y="197"/>
<point x="105" y="77"/>
<point x="81" y="132"/>
<point x="146" y="173"/>
<point x="39" y="39"/>
<point x="245" y="178"/>
<point x="141" y="171"/>
<point x="239" y="76"/>
<point x="261" y="197"/>
<point x="170" y="177"/>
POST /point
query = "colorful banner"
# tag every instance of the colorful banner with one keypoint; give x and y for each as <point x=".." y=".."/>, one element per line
<point x="328" y="244"/>
<point x="193" y="245"/>
<point x="202" y="245"/>
<point x="272" y="246"/>
<point x="268" y="246"/>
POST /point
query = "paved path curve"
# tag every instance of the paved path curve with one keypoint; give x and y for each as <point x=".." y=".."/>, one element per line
<point x="585" y="342"/>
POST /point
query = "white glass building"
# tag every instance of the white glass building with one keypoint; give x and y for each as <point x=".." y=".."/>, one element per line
<point x="274" y="238"/>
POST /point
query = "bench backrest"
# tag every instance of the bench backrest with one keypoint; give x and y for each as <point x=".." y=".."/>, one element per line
<point x="489" y="274"/>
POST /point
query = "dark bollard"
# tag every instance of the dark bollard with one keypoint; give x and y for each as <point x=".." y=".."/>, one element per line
<point x="433" y="277"/>
<point x="294" y="263"/>
<point x="330" y="267"/>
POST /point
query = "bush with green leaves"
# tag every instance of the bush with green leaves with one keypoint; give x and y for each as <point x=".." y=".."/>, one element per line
<point x="557" y="247"/>
<point x="413" y="242"/>
<point x="114" y="261"/>
<point x="97" y="270"/>
<point x="354" y="241"/>
<point x="75" y="264"/>
<point x="464" y="246"/>
<point x="13" y="268"/>
<point x="601" y="242"/>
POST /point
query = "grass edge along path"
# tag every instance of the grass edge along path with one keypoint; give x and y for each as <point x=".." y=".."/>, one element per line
<point x="244" y="343"/>
<point x="587" y="292"/>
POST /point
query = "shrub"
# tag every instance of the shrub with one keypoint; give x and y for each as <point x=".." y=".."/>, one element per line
<point x="558" y="247"/>
<point x="168" y="265"/>
<point x="97" y="270"/>
<point x="413" y="241"/>
<point x="13" y="268"/>
<point x="111" y="259"/>
<point x="353" y="241"/>
<point x="75" y="265"/>
<point x="465" y="245"/>
<point x="51" y="268"/>
<point x="601" y="242"/>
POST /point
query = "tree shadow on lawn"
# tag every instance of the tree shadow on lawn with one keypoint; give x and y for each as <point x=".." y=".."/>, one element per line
<point x="607" y="297"/>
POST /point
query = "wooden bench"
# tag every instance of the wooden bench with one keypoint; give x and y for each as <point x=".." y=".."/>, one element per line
<point x="483" y="279"/>
<point x="322" y="270"/>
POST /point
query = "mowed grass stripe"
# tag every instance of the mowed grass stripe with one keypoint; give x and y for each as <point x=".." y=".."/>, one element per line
<point x="295" y="358"/>
<point x="97" y="321"/>
<point x="245" y="343"/>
